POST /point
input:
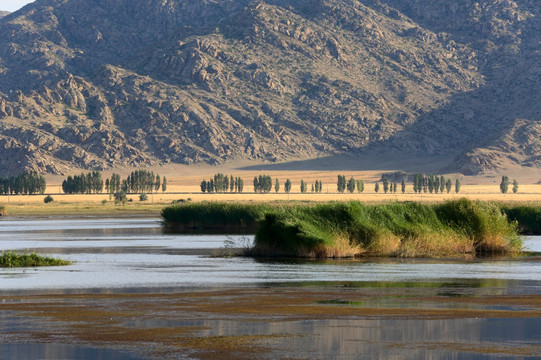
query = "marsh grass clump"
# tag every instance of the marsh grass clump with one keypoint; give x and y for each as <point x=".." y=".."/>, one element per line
<point x="482" y="222"/>
<point x="12" y="259"/>
<point x="214" y="216"/>
<point x="348" y="229"/>
<point x="528" y="217"/>
<point x="354" y="229"/>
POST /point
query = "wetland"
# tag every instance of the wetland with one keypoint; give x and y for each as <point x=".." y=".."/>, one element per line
<point x="149" y="294"/>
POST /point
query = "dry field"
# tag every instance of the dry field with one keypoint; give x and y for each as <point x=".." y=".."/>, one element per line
<point x="183" y="182"/>
<point x="186" y="187"/>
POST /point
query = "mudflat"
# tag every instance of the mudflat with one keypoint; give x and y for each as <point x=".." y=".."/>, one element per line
<point x="469" y="319"/>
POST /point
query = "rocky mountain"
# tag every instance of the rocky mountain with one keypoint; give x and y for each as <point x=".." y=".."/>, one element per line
<point x="104" y="83"/>
<point x="4" y="13"/>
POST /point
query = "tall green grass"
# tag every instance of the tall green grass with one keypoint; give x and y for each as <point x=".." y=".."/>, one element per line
<point x="346" y="229"/>
<point x="528" y="217"/>
<point x="11" y="259"/>
<point x="214" y="217"/>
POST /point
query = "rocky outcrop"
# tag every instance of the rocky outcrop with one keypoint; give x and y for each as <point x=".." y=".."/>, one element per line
<point x="99" y="84"/>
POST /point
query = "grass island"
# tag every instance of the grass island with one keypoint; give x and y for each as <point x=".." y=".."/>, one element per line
<point x="11" y="259"/>
<point x="352" y="229"/>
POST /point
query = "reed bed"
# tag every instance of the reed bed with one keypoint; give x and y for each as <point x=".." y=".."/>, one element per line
<point x="348" y="229"/>
<point x="213" y="217"/>
<point x="528" y="217"/>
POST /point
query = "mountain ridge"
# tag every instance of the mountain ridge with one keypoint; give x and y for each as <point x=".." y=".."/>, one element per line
<point x="102" y="84"/>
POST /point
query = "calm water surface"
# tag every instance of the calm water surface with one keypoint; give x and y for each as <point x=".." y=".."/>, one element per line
<point x="134" y="253"/>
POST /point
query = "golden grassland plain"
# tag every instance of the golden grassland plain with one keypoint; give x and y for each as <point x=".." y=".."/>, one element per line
<point x="102" y="204"/>
<point x="184" y="183"/>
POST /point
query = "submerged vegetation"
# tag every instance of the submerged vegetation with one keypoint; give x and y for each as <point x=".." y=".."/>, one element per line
<point x="347" y="229"/>
<point x="13" y="260"/>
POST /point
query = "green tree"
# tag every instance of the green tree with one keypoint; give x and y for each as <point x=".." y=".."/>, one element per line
<point x="351" y="185"/>
<point x="431" y="184"/>
<point x="442" y="184"/>
<point x="360" y="186"/>
<point x="303" y="187"/>
<point x="120" y="197"/>
<point x="515" y="186"/>
<point x="403" y="185"/>
<point x="394" y="187"/>
<point x="385" y="185"/>
<point x="203" y="186"/>
<point x="48" y="199"/>
<point x="287" y="186"/>
<point x="448" y="185"/>
<point x="376" y="187"/>
<point x="231" y="184"/>
<point x="504" y="185"/>
<point x="457" y="186"/>
<point x="276" y="186"/>
<point x="256" y="184"/>
<point x="164" y="184"/>
<point x="341" y="184"/>
<point x="158" y="183"/>
<point x="143" y="197"/>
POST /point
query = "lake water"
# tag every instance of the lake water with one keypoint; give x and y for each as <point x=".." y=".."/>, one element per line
<point x="133" y="253"/>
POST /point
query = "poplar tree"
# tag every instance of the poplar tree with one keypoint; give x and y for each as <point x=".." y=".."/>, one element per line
<point x="158" y="183"/>
<point x="276" y="186"/>
<point x="515" y="186"/>
<point x="351" y="185"/>
<point x="448" y="185"/>
<point x="403" y="185"/>
<point x="341" y="184"/>
<point x="203" y="186"/>
<point x="457" y="186"/>
<point x="504" y="185"/>
<point x="376" y="187"/>
<point x="287" y="186"/>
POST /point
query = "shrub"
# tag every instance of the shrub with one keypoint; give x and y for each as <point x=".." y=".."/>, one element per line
<point x="48" y="199"/>
<point x="143" y="197"/>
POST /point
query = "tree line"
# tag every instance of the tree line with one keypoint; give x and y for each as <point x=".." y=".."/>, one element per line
<point x="139" y="181"/>
<point x="434" y="184"/>
<point x="222" y="183"/>
<point x="83" y="184"/>
<point x="504" y="185"/>
<point x="25" y="183"/>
